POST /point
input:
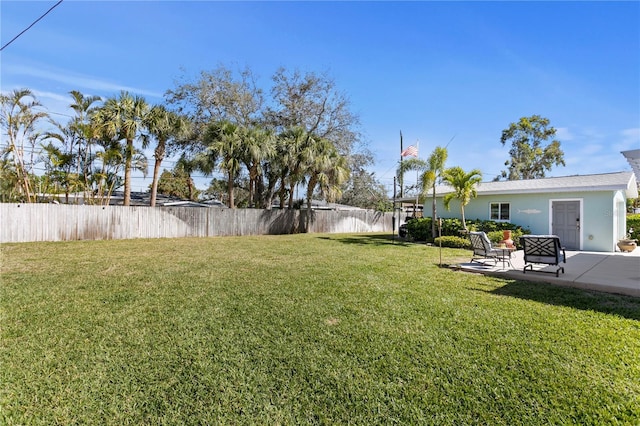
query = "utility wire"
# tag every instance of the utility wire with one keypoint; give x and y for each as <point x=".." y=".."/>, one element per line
<point x="32" y="24"/>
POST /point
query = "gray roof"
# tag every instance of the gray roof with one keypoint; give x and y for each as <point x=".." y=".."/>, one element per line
<point x="624" y="181"/>
<point x="633" y="157"/>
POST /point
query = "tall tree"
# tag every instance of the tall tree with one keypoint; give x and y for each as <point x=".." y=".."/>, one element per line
<point x="82" y="133"/>
<point x="293" y="154"/>
<point x="529" y="158"/>
<point x="176" y="183"/>
<point x="19" y="121"/>
<point x="167" y="128"/>
<point x="59" y="169"/>
<point x="258" y="146"/>
<point x="464" y="187"/>
<point x="365" y="191"/>
<point x="224" y="151"/>
<point x="123" y="118"/>
<point x="311" y="101"/>
<point x="218" y="95"/>
<point x="431" y="177"/>
<point x="186" y="165"/>
<point x="325" y="169"/>
<point x="430" y="174"/>
<point x="105" y="178"/>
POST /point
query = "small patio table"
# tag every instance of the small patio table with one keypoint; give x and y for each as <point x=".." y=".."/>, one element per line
<point x="505" y="255"/>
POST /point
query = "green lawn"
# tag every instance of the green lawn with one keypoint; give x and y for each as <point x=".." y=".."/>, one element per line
<point x="302" y="329"/>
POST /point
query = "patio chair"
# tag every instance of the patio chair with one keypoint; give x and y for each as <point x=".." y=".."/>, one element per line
<point x="543" y="249"/>
<point x="482" y="248"/>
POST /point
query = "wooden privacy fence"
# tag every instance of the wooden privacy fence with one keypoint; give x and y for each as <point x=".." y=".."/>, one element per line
<point x="61" y="222"/>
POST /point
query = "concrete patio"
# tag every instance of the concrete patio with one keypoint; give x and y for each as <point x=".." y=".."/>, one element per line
<point x="608" y="272"/>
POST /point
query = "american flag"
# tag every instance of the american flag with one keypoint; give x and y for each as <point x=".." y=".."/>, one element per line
<point x="411" y="151"/>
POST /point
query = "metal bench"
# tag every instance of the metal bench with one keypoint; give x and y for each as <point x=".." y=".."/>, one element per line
<point x="543" y="249"/>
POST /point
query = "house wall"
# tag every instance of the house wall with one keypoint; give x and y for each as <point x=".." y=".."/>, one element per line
<point x="600" y="221"/>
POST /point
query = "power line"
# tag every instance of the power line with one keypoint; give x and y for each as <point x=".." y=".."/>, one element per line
<point x="32" y="24"/>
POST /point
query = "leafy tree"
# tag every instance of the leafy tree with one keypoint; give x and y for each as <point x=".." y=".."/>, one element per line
<point x="9" y="185"/>
<point x="222" y="96"/>
<point x="58" y="171"/>
<point x="464" y="187"/>
<point x="306" y="101"/>
<point x="313" y="103"/>
<point x="177" y="183"/>
<point x="218" y="95"/>
<point x="529" y="158"/>
<point x="19" y="121"/>
<point x="187" y="165"/>
<point x="123" y="118"/>
<point x="364" y="191"/>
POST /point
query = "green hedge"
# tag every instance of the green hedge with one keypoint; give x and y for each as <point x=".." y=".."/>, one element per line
<point x="452" y="242"/>
<point x="420" y="230"/>
<point x="633" y="222"/>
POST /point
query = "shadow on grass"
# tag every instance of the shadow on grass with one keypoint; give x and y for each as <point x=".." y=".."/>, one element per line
<point x="624" y="306"/>
<point x="364" y="239"/>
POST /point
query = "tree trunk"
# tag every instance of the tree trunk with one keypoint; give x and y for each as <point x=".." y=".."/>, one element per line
<point x="464" y="224"/>
<point x="127" y="173"/>
<point x="433" y="213"/>
<point x="154" y="182"/>
<point x="230" y="190"/>
<point x="311" y="185"/>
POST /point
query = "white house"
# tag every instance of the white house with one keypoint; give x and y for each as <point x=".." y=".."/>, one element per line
<point x="587" y="212"/>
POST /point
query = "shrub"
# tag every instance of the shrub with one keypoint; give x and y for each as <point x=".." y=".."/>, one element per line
<point x="420" y="229"/>
<point x="453" y="242"/>
<point x="633" y="222"/>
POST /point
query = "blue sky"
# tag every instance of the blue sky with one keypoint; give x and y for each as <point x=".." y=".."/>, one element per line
<point x="433" y="70"/>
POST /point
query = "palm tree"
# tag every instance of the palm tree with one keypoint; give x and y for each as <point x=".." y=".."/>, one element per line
<point x="106" y="179"/>
<point x="18" y="121"/>
<point x="326" y="169"/>
<point x="58" y="168"/>
<point x="464" y="187"/>
<point x="83" y="131"/>
<point x="165" y="127"/>
<point x="430" y="172"/>
<point x="258" y="146"/>
<point x="296" y="150"/>
<point x="436" y="162"/>
<point x="224" y="148"/>
<point x="123" y="118"/>
<point x="186" y="166"/>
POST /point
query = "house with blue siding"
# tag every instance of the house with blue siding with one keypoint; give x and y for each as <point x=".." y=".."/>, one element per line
<point x="587" y="212"/>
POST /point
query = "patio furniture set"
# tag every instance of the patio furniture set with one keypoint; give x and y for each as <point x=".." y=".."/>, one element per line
<point x="538" y="250"/>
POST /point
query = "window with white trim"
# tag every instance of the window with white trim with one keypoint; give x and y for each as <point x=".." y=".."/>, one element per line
<point x="500" y="211"/>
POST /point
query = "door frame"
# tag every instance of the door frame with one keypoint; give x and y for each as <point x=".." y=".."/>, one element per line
<point x="581" y="210"/>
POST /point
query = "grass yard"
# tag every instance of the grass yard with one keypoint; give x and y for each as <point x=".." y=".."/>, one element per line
<point x="302" y="329"/>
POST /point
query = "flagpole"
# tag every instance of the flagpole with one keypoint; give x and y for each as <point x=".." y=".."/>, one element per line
<point x="417" y="174"/>
<point x="401" y="177"/>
